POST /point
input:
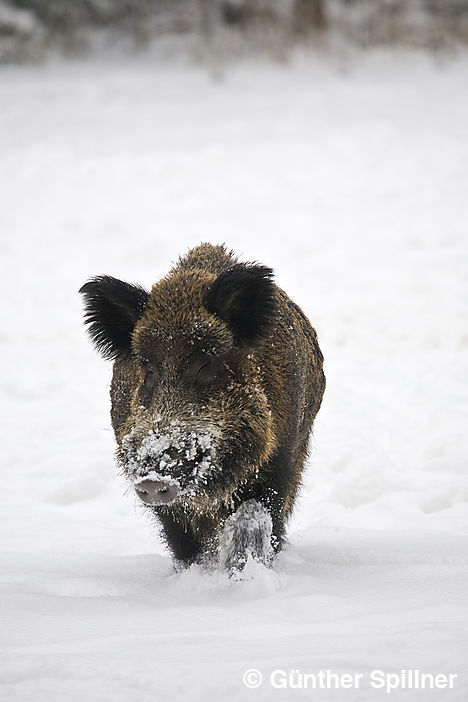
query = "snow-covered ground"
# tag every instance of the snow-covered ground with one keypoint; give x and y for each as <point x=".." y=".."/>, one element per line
<point x="351" y="181"/>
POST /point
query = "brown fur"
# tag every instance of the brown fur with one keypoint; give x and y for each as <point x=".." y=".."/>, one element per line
<point x="262" y="409"/>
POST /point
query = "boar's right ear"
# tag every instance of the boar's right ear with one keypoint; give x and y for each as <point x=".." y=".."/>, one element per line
<point x="244" y="296"/>
<point x="112" y="309"/>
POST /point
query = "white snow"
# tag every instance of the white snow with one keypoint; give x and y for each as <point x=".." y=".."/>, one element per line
<point x="246" y="536"/>
<point x="168" y="447"/>
<point x="350" y="179"/>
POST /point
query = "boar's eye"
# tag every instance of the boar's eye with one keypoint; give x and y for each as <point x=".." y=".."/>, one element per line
<point x="203" y="370"/>
<point x="148" y="374"/>
<point x="207" y="373"/>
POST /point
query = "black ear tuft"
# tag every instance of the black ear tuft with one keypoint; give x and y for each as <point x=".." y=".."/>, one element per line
<point x="244" y="296"/>
<point x="112" y="309"/>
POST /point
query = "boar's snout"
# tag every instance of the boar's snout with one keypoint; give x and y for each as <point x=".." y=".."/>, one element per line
<point x="169" y="464"/>
<point x="156" y="492"/>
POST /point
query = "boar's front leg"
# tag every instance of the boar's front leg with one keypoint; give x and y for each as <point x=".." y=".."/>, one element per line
<point x="183" y="543"/>
<point x="257" y="527"/>
<point x="246" y="533"/>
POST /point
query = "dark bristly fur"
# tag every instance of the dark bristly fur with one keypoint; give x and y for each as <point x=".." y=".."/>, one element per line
<point x="239" y="289"/>
<point x="215" y="347"/>
<point x="112" y="309"/>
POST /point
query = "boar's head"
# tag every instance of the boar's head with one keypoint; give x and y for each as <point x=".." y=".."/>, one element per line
<point x="189" y="410"/>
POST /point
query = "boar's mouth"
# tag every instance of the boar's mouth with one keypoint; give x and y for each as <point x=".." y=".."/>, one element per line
<point x="165" y="466"/>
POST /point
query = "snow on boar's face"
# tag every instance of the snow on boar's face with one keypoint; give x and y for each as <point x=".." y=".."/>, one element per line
<point x="188" y="409"/>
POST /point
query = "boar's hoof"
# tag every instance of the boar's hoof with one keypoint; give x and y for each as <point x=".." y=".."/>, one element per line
<point x="156" y="492"/>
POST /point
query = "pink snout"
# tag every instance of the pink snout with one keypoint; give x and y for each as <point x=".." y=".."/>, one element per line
<point x="156" y="492"/>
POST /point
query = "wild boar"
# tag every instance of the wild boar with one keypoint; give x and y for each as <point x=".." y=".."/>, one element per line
<point x="217" y="379"/>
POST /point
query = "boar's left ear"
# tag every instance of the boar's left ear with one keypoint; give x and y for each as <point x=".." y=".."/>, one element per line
<point x="112" y="309"/>
<point x="244" y="296"/>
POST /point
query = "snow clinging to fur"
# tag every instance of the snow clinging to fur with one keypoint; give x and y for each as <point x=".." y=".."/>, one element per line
<point x="177" y="456"/>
